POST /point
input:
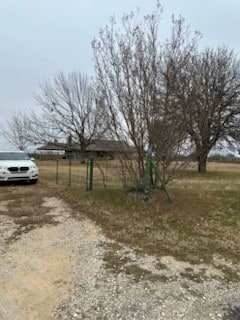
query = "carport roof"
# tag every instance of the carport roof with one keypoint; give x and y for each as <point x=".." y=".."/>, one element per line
<point x="60" y="146"/>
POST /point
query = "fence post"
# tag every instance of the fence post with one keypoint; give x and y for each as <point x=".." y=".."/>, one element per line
<point x="57" y="172"/>
<point x="91" y="176"/>
<point x="70" y="172"/>
<point x="147" y="175"/>
<point x="162" y="183"/>
<point x="87" y="175"/>
<point x="147" y="178"/>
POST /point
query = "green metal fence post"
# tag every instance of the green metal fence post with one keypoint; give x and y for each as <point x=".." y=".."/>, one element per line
<point x="162" y="183"/>
<point x="91" y="176"/>
<point x="147" y="177"/>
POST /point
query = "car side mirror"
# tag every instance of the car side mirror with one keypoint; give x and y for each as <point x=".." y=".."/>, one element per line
<point x="33" y="159"/>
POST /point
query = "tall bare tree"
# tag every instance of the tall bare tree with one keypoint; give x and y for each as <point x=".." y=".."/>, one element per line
<point x="70" y="108"/>
<point x="209" y="98"/>
<point x="136" y="74"/>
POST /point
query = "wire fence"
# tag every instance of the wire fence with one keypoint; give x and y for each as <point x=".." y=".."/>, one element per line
<point x="88" y="175"/>
<point x="71" y="173"/>
<point x="103" y="174"/>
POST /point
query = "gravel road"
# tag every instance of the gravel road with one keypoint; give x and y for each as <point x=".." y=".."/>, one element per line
<point x="67" y="269"/>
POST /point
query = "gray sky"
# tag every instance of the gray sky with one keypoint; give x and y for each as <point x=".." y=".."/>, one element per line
<point x="39" y="38"/>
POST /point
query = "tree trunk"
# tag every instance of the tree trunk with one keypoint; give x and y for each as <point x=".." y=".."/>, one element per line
<point x="202" y="163"/>
<point x="83" y="143"/>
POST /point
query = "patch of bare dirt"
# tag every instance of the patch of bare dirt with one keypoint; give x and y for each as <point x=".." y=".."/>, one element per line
<point x="34" y="276"/>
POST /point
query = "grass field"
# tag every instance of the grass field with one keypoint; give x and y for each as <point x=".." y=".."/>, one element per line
<point x="203" y="221"/>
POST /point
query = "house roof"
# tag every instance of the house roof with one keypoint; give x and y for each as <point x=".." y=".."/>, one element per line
<point x="94" y="146"/>
<point x="60" y="146"/>
<point x="107" y="146"/>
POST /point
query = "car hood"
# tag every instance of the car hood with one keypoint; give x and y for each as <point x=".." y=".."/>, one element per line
<point x="16" y="163"/>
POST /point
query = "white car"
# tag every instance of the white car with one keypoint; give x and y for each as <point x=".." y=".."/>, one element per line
<point x="17" y="166"/>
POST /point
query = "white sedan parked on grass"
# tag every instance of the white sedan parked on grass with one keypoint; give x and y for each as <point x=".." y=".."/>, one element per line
<point x="17" y="166"/>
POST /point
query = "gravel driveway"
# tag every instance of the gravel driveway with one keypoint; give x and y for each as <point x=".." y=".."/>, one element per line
<point x="59" y="267"/>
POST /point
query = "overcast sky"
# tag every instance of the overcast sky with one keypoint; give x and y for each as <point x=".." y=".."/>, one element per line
<point x="39" y="38"/>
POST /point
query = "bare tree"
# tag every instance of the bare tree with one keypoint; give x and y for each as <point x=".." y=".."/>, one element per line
<point x="70" y="108"/>
<point x="16" y="131"/>
<point x="166" y="129"/>
<point x="136" y="74"/>
<point x="209" y="98"/>
<point x="26" y="128"/>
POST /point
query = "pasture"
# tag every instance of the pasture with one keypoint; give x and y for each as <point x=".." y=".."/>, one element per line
<point x="203" y="222"/>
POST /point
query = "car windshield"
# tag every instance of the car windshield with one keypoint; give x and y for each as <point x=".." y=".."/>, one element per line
<point x="14" y="156"/>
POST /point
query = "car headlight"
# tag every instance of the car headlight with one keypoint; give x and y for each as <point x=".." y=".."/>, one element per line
<point x="3" y="168"/>
<point x="33" y="167"/>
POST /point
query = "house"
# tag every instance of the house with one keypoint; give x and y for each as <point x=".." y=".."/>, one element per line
<point x="107" y="149"/>
<point x="56" y="150"/>
<point x="97" y="149"/>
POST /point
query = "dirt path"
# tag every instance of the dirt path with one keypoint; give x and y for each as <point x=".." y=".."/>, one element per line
<point x="34" y="276"/>
<point x="35" y="266"/>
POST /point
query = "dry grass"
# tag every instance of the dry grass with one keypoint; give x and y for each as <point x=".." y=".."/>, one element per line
<point x="25" y="207"/>
<point x="204" y="219"/>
